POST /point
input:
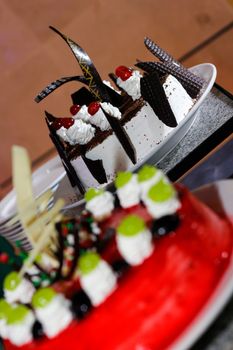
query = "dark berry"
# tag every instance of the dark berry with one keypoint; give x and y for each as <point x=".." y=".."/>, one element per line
<point x="37" y="330"/>
<point x="119" y="266"/>
<point x="165" y="224"/>
<point x="123" y="72"/>
<point x="75" y="109"/>
<point x="81" y="304"/>
<point x="93" y="107"/>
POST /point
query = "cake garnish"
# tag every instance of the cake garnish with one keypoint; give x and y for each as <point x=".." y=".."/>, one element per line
<point x="52" y="310"/>
<point x="97" y="279"/>
<point x="128" y="190"/>
<point x="20" y="323"/>
<point x="134" y="240"/>
<point x="17" y="288"/>
<point x="5" y="309"/>
<point x="161" y="199"/>
<point x="100" y="203"/>
<point x="129" y="81"/>
<point x="147" y="176"/>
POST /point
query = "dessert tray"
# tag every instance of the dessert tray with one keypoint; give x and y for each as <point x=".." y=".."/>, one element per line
<point x="205" y="70"/>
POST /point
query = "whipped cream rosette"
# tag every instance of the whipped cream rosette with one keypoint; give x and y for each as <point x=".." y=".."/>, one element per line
<point x="162" y="199"/>
<point x="17" y="289"/>
<point x="5" y="309"/>
<point x="96" y="277"/>
<point x="52" y="310"/>
<point x="129" y="81"/>
<point x="134" y="240"/>
<point x="20" y="322"/>
<point x="100" y="203"/>
<point x="128" y="190"/>
<point x="148" y="175"/>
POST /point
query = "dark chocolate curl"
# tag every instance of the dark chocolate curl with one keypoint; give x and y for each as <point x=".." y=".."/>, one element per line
<point x="56" y="84"/>
<point x="153" y="92"/>
<point x="95" y="83"/>
<point x="122" y="136"/>
<point x="191" y="85"/>
<point x="96" y="168"/>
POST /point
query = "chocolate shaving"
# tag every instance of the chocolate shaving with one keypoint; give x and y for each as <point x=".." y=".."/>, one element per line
<point x="192" y="87"/>
<point x="96" y="168"/>
<point x="153" y="92"/>
<point x="56" y="84"/>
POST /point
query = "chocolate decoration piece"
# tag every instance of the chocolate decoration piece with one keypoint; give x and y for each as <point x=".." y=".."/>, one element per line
<point x="122" y="136"/>
<point x="96" y="168"/>
<point x="95" y="83"/>
<point x="158" y="52"/>
<point x="82" y="97"/>
<point x="71" y="173"/>
<point x="165" y="225"/>
<point x="56" y="84"/>
<point x="192" y="87"/>
<point x="153" y="92"/>
<point x="165" y="57"/>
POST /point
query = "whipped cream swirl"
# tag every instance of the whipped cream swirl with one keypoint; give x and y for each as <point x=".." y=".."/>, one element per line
<point x="22" y="293"/>
<point x="21" y="333"/>
<point x="102" y="205"/>
<point x="79" y="133"/>
<point x="129" y="194"/>
<point x="131" y="85"/>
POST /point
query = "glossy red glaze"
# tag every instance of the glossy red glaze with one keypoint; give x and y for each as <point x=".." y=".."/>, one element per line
<point x="157" y="300"/>
<point x="93" y="107"/>
<point x="75" y="109"/>
<point x="123" y="72"/>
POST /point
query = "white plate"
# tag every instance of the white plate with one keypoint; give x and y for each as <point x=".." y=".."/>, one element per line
<point x="45" y="177"/>
<point x="205" y="70"/>
<point x="219" y="197"/>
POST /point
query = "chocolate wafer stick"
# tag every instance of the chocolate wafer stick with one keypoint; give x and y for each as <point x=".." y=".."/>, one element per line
<point x="56" y="84"/>
<point x="153" y="92"/>
<point x="193" y="88"/>
<point x="165" y="57"/>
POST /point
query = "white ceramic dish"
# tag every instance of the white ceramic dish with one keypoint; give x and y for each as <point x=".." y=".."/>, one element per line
<point x="45" y="177"/>
<point x="205" y="70"/>
<point x="218" y="196"/>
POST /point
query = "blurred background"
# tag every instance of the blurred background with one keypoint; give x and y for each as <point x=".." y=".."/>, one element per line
<point x="112" y="33"/>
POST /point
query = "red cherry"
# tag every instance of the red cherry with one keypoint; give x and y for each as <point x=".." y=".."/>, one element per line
<point x="74" y="109"/>
<point x="65" y="122"/>
<point x="123" y="72"/>
<point x="4" y="258"/>
<point x="93" y="107"/>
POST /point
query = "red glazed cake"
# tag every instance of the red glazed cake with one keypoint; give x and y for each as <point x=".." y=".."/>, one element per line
<point x="160" y="254"/>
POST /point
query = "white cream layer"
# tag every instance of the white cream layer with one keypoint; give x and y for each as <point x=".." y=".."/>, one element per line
<point x="129" y="194"/>
<point x="159" y="209"/>
<point x="131" y="85"/>
<point x="23" y="293"/>
<point x="99" y="283"/>
<point x="3" y="329"/>
<point x="21" y="333"/>
<point x="56" y="316"/>
<point x="135" y="249"/>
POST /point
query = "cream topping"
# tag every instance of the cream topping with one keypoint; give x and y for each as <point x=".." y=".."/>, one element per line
<point x="22" y="293"/>
<point x="135" y="249"/>
<point x="101" y="205"/>
<point x="159" y="209"/>
<point x="131" y="85"/>
<point x="99" y="119"/>
<point x="129" y="194"/>
<point x="83" y="114"/>
<point x="146" y="185"/>
<point x="21" y="333"/>
<point x="3" y="329"/>
<point x="111" y="110"/>
<point x="56" y="316"/>
<point x="99" y="283"/>
<point x="79" y="133"/>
